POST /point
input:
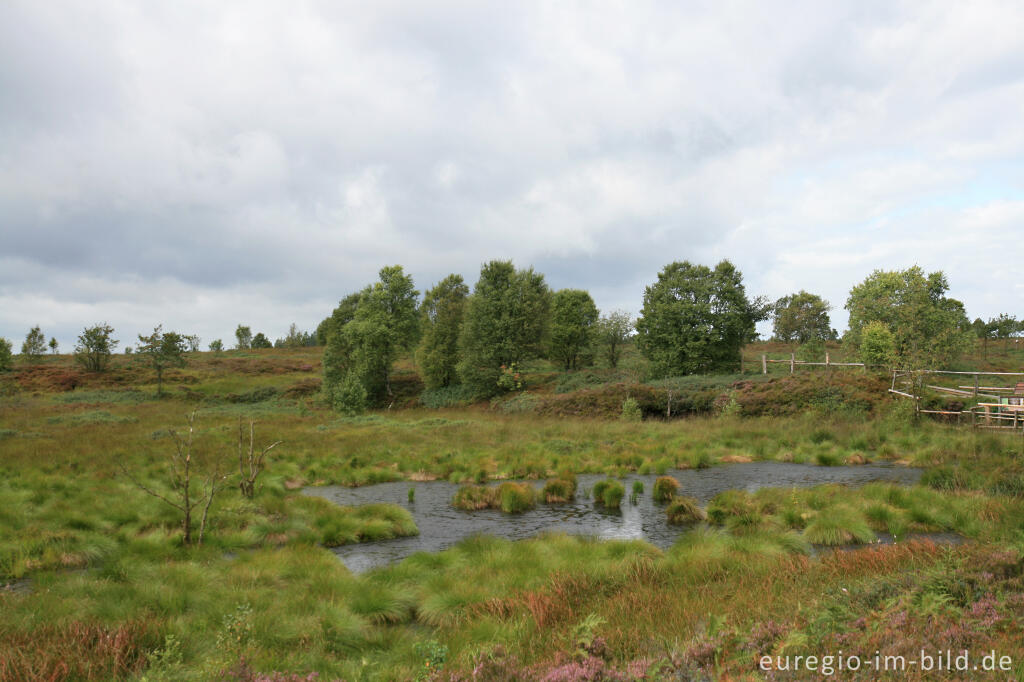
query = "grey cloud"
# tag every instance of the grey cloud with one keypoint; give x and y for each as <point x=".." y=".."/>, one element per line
<point x="259" y="162"/>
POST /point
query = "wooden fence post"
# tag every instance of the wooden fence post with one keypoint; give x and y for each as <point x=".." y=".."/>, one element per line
<point x="792" y="362"/>
<point x="975" y="385"/>
<point x="764" y="363"/>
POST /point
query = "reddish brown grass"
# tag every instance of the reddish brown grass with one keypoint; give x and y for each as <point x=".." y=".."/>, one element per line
<point x="75" y="651"/>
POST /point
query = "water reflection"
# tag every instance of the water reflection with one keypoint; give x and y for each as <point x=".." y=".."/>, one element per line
<point x="441" y="526"/>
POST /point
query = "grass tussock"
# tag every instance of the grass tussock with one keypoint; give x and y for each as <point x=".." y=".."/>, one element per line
<point x="509" y="497"/>
<point x="609" y="493"/>
<point x="683" y="510"/>
<point x="665" y="488"/>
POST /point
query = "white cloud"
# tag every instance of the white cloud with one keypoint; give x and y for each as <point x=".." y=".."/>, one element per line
<point x="216" y="163"/>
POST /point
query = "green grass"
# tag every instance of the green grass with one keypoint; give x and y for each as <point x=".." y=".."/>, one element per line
<point x="106" y="563"/>
<point x="665" y="488"/>
<point x="681" y="510"/>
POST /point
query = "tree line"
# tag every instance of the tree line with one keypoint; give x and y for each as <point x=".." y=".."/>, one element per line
<point x="694" y="319"/>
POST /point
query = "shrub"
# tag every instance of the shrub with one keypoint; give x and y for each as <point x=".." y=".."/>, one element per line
<point x="631" y="410"/>
<point x="95" y="346"/>
<point x="684" y="510"/>
<point x="609" y="493"/>
<point x="559" y="490"/>
<point x="665" y="488"/>
<point x="6" y="359"/>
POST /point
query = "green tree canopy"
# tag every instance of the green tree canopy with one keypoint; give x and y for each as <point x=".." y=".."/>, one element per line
<point x="612" y="333"/>
<point x="243" y="337"/>
<point x="505" y="323"/>
<point x="339" y="317"/>
<point x="1004" y="327"/>
<point x="95" y="347"/>
<point x="441" y="317"/>
<point x="572" y="327"/>
<point x="6" y="358"/>
<point x="34" y="346"/>
<point x="695" y="319"/>
<point x="260" y="341"/>
<point x="801" y="317"/>
<point x="928" y="329"/>
<point x="359" y="355"/>
<point x="161" y="350"/>
<point x="877" y="345"/>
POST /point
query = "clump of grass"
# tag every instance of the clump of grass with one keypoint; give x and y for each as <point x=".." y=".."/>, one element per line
<point x="828" y="459"/>
<point x="665" y="488"/>
<point x="682" y="510"/>
<point x="558" y="490"/>
<point x="838" y="525"/>
<point x="730" y="503"/>
<point x="509" y="497"/>
<point x="610" y="494"/>
<point x="473" y="497"/>
<point x="515" y="498"/>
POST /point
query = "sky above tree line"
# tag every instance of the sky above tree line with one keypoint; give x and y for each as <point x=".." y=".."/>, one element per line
<point x="202" y="165"/>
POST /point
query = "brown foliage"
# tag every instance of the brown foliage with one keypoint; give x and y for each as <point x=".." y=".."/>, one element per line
<point x="75" y="651"/>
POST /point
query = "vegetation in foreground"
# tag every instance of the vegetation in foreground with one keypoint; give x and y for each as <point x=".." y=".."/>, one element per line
<point x="105" y="588"/>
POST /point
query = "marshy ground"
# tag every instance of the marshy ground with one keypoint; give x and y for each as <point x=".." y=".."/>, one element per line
<point x="106" y="590"/>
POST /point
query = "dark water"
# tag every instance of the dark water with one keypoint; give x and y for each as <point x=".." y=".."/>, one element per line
<point x="441" y="525"/>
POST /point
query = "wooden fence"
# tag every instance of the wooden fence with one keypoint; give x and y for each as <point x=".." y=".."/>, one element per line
<point x="984" y="415"/>
<point x="794" y="363"/>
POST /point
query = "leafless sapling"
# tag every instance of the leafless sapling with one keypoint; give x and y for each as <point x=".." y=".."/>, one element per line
<point x="250" y="462"/>
<point x="182" y="470"/>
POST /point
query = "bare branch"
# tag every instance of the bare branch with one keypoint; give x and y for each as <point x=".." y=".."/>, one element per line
<point x="146" y="489"/>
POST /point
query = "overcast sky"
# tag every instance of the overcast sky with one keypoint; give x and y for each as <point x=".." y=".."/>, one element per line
<point x="204" y="164"/>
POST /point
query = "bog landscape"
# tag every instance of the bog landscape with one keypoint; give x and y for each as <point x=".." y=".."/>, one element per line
<point x="493" y="480"/>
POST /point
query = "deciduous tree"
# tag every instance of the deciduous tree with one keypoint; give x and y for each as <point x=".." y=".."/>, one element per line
<point x="243" y="337"/>
<point x="572" y="327"/>
<point x="801" y="317"/>
<point x="505" y="323"/>
<point x="161" y="350"/>
<point x="95" y="347"/>
<point x="359" y="356"/>
<point x="6" y="358"/>
<point x="928" y="329"/>
<point x="441" y="317"/>
<point x="612" y="334"/>
<point x="260" y="341"/>
<point x="696" y="319"/>
<point x="34" y="346"/>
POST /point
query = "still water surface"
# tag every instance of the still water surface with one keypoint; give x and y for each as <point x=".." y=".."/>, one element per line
<point x="441" y="526"/>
